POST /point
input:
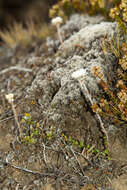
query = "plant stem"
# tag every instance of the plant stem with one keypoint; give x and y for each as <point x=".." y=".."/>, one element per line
<point x="59" y="34"/>
<point x="16" y="119"/>
<point x="86" y="92"/>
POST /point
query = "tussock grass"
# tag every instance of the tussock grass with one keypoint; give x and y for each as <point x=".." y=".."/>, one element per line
<point x="18" y="34"/>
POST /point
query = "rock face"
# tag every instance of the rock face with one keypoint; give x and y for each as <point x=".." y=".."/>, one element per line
<point x="63" y="104"/>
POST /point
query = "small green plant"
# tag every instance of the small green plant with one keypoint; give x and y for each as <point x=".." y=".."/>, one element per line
<point x="89" y="149"/>
<point x="50" y="133"/>
<point x="30" y="129"/>
<point x="73" y="142"/>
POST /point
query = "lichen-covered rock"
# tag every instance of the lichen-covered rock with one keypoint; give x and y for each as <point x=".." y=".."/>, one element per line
<point x="64" y="105"/>
<point x="89" y="34"/>
<point x="77" y="22"/>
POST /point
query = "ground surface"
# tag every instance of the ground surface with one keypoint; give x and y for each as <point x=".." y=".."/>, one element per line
<point x="50" y="163"/>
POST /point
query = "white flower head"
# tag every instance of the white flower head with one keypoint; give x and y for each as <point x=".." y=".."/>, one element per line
<point x="10" y="97"/>
<point x="57" y="21"/>
<point x="79" y="73"/>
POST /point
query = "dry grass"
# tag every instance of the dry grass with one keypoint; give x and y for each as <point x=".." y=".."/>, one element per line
<point x="18" y="34"/>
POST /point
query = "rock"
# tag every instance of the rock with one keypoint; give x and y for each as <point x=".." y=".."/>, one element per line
<point x="89" y="34"/>
<point x="77" y="22"/>
<point x="64" y="105"/>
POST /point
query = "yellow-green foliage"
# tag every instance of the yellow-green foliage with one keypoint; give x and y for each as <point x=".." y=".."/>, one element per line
<point x="30" y="129"/>
<point x="119" y="13"/>
<point x="18" y="35"/>
<point x="65" y="8"/>
<point x="87" y="149"/>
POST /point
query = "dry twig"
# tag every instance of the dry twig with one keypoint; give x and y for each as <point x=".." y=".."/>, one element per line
<point x="15" y="68"/>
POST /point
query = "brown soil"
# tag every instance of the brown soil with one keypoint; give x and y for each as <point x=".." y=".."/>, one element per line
<point x="49" y="165"/>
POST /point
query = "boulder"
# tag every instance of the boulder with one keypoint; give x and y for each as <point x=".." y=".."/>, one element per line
<point x="65" y="107"/>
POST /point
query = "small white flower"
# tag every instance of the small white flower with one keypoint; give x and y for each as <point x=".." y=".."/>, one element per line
<point x="79" y="73"/>
<point x="10" y="97"/>
<point x="57" y="21"/>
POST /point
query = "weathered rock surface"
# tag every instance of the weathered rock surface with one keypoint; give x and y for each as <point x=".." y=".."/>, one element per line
<point x="64" y="105"/>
